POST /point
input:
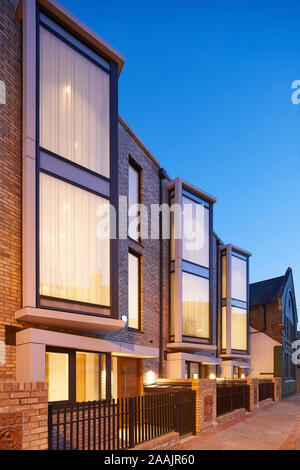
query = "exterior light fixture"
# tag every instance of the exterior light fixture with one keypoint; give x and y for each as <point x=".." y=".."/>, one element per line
<point x="243" y="376"/>
<point x="150" y="377"/>
<point x="124" y="318"/>
<point x="212" y="376"/>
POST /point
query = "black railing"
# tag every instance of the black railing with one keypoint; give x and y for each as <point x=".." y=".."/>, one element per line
<point x="119" y="424"/>
<point x="266" y="389"/>
<point x="232" y="395"/>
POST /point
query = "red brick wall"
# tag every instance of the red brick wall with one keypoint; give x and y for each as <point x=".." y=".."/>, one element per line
<point x="10" y="182"/>
<point x="273" y="320"/>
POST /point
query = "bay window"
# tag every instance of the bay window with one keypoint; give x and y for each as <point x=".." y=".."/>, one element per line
<point x="234" y="309"/>
<point x="190" y="265"/>
<point x="74" y="189"/>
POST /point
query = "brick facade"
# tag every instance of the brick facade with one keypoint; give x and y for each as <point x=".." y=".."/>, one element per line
<point x="23" y="416"/>
<point x="10" y="183"/>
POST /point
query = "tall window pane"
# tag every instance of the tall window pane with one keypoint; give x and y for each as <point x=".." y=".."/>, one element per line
<point x="224" y="277"/>
<point x="74" y="262"/>
<point x="238" y="279"/>
<point x="133" y="199"/>
<point x="87" y="376"/>
<point x="133" y="291"/>
<point x="74" y="105"/>
<point x="238" y="329"/>
<point x="195" y="306"/>
<point x="195" y="246"/>
<point x="224" y="328"/>
<point x="57" y="376"/>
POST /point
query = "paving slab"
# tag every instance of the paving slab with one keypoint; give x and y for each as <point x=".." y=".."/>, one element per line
<point x="273" y="427"/>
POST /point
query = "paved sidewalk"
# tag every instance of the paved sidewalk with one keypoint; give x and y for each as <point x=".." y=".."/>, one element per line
<point x="274" y="427"/>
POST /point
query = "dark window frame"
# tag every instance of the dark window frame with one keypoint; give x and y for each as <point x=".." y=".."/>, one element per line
<point x="133" y="164"/>
<point x="72" y="371"/>
<point x="113" y="177"/>
<point x="139" y="258"/>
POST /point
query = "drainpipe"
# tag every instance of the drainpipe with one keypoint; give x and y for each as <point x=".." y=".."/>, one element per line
<point x="162" y="176"/>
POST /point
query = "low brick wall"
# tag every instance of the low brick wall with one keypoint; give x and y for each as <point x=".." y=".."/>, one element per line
<point x="160" y="443"/>
<point x="230" y="416"/>
<point x="23" y="416"/>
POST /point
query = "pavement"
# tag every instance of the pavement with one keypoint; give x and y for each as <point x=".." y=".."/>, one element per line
<point x="273" y="427"/>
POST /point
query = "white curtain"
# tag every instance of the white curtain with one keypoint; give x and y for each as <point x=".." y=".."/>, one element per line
<point x="238" y="328"/>
<point x="195" y="306"/>
<point x="133" y="291"/>
<point x="238" y="279"/>
<point x="195" y="246"/>
<point x="74" y="105"/>
<point x="74" y="262"/>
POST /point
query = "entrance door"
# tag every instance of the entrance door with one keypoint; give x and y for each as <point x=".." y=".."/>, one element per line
<point x="129" y="372"/>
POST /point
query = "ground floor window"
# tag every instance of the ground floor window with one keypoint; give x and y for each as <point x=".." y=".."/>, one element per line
<point x="76" y="375"/>
<point x="196" y="370"/>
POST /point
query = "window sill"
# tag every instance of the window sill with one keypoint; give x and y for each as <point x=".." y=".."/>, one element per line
<point x="134" y="330"/>
<point x="76" y="321"/>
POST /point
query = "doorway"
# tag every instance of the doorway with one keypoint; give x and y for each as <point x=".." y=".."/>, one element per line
<point x="129" y="377"/>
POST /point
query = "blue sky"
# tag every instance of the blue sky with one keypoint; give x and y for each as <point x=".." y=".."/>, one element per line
<point x="207" y="86"/>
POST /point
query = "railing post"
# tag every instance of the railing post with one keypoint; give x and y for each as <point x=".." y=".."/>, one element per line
<point x="177" y="401"/>
<point x="49" y="427"/>
<point x="131" y="421"/>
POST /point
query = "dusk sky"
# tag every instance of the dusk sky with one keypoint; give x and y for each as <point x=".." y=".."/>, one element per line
<point x="207" y="87"/>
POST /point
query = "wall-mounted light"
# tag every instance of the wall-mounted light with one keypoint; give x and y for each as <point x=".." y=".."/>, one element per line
<point x="150" y="377"/>
<point x="212" y="376"/>
<point x="243" y="376"/>
<point x="124" y="318"/>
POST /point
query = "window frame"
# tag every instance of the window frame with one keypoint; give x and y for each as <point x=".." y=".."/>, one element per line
<point x="190" y="267"/>
<point x="229" y="251"/>
<point x="111" y="182"/>
<point x="139" y="258"/>
<point x="72" y="372"/>
<point x="133" y="164"/>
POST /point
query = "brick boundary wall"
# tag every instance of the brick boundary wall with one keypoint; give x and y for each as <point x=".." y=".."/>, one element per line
<point x="23" y="416"/>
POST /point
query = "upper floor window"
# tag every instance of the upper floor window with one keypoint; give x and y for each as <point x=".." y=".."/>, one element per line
<point x="75" y="122"/>
<point x="195" y="244"/>
<point x="74" y="105"/>
<point x="133" y="291"/>
<point x="234" y="309"/>
<point x="191" y="271"/>
<point x="134" y="192"/>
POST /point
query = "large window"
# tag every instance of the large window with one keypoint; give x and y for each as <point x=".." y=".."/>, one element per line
<point x="74" y="105"/>
<point x="57" y="376"/>
<point x="75" y="143"/>
<point x="133" y="291"/>
<point x="238" y="279"/>
<point x="134" y="222"/>
<point x="74" y="261"/>
<point x="190" y="273"/>
<point x="76" y="375"/>
<point x="239" y="328"/>
<point x="234" y="309"/>
<point x="195" y="306"/>
<point x="195" y="246"/>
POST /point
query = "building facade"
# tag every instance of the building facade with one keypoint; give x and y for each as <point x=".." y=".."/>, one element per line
<point x="273" y="320"/>
<point x="97" y="316"/>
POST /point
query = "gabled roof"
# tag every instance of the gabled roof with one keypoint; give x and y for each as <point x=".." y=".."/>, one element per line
<point x="268" y="291"/>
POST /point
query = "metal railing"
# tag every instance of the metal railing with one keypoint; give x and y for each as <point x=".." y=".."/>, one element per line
<point x="119" y="424"/>
<point x="266" y="390"/>
<point x="232" y="395"/>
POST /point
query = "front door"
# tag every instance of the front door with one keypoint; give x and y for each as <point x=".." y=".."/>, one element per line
<point x="129" y="372"/>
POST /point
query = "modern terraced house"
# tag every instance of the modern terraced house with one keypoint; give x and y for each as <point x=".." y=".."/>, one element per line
<point x="98" y="318"/>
